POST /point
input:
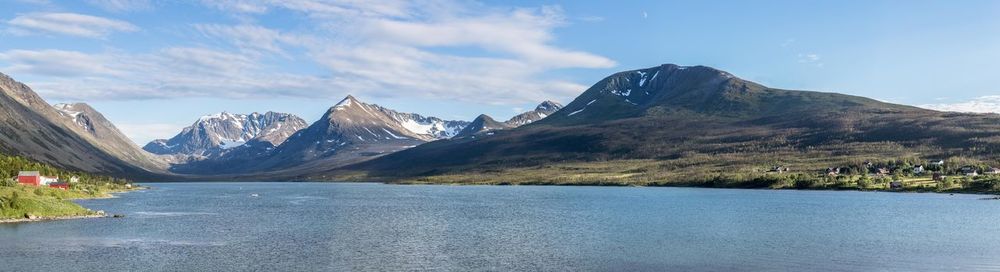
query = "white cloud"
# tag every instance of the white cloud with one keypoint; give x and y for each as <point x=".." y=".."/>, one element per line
<point x="385" y="49"/>
<point x="984" y="104"/>
<point x="254" y="39"/>
<point x="57" y="63"/>
<point x="122" y="5"/>
<point x="237" y="6"/>
<point x="69" y="24"/>
<point x="812" y="59"/>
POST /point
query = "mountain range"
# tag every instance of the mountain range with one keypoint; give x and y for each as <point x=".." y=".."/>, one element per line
<point x="689" y="124"/>
<point x="665" y="122"/>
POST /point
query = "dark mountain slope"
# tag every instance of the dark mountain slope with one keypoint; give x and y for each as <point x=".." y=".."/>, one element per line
<point x="703" y="117"/>
<point x="483" y="123"/>
<point x="31" y="128"/>
<point x="91" y="124"/>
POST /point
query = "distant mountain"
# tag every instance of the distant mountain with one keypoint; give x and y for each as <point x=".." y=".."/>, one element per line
<point x="76" y="138"/>
<point x="214" y="134"/>
<point x="485" y="123"/>
<point x="348" y="132"/>
<point x="698" y="121"/>
<point x="482" y="124"/>
<point x="541" y="111"/>
<point x="91" y="124"/>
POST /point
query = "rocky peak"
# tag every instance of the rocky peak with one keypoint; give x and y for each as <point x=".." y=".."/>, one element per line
<point x="225" y="130"/>
<point x="548" y="106"/>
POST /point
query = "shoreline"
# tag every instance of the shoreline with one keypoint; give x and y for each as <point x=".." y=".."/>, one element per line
<point x="680" y="185"/>
<point x="51" y="218"/>
<point x="95" y="214"/>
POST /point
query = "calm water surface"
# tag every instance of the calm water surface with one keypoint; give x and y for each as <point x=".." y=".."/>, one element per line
<point x="375" y="227"/>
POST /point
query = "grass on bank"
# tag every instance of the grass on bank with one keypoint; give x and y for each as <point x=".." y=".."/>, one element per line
<point x="17" y="201"/>
<point x="698" y="170"/>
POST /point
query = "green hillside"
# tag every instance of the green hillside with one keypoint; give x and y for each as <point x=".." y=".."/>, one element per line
<point x="693" y="126"/>
<point x="18" y="201"/>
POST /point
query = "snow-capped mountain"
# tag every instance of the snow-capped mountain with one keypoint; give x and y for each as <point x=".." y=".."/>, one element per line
<point x="350" y="131"/>
<point x="352" y="125"/>
<point x="482" y="124"/>
<point x="219" y="132"/>
<point x="91" y="124"/>
<point x="541" y="111"/>
<point x="485" y="123"/>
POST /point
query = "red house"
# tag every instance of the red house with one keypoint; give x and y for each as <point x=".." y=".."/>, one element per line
<point x="33" y="178"/>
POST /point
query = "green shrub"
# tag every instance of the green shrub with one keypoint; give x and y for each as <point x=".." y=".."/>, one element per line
<point x="14" y="202"/>
<point x="806" y="183"/>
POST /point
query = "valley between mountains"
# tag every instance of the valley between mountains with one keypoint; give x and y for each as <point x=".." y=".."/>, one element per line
<point x="665" y="125"/>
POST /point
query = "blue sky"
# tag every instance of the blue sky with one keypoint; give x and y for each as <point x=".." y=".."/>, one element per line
<point x="153" y="67"/>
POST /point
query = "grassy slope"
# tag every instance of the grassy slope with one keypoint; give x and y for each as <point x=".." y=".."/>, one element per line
<point x="50" y="202"/>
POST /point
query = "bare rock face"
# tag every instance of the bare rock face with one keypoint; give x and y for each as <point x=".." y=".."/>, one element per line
<point x="90" y="123"/>
<point x="214" y="134"/>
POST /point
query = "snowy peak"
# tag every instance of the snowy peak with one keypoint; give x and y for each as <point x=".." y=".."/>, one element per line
<point x="75" y="113"/>
<point x="352" y="112"/>
<point x="354" y="129"/>
<point x="541" y="111"/>
<point x="548" y="106"/>
<point x="486" y="124"/>
<point x="632" y="93"/>
<point x="482" y="124"/>
<point x="223" y="131"/>
<point x="347" y="102"/>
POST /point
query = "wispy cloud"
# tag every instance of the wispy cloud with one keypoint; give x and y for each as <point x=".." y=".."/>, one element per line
<point x="811" y="59"/>
<point x="237" y="6"/>
<point x="384" y="49"/>
<point x="788" y="42"/>
<point x="984" y="104"/>
<point x="122" y="5"/>
<point x="68" y="24"/>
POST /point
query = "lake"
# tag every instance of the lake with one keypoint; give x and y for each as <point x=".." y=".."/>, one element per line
<point x="377" y="227"/>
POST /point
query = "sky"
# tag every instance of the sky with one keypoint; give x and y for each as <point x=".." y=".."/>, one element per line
<point x="153" y="67"/>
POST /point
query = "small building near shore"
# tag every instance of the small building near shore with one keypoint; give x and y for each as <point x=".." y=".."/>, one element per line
<point x="970" y="171"/>
<point x="35" y="178"/>
<point x="896" y="185"/>
<point x="59" y="185"/>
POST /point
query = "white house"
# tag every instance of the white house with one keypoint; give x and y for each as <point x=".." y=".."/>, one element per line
<point x="49" y="180"/>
